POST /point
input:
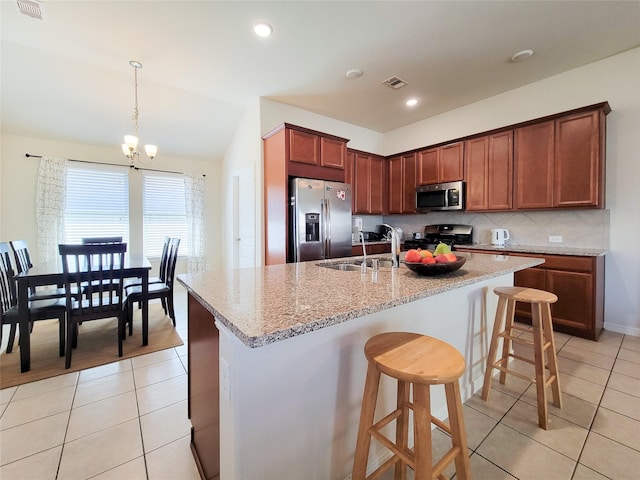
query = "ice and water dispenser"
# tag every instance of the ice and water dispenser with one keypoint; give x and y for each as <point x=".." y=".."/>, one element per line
<point x="312" y="227"/>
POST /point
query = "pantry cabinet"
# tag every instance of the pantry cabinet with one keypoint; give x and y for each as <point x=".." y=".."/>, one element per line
<point x="441" y="164"/>
<point x="489" y="172"/>
<point x="402" y="184"/>
<point x="559" y="163"/>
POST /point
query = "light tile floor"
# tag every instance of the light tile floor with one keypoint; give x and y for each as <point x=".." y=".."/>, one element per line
<point x="128" y="420"/>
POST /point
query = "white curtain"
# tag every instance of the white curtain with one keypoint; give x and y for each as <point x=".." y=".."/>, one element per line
<point x="194" y="198"/>
<point x="50" y="204"/>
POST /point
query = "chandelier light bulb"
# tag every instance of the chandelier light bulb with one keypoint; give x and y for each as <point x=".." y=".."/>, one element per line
<point x="151" y="150"/>
<point x="131" y="141"/>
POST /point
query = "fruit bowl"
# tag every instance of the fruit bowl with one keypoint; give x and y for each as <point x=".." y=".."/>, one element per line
<point x="428" y="269"/>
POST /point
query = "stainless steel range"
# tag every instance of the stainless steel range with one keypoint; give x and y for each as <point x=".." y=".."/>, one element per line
<point x="449" y="233"/>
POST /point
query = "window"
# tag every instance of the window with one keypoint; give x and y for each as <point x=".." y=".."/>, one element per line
<point x="97" y="203"/>
<point x="164" y="212"/>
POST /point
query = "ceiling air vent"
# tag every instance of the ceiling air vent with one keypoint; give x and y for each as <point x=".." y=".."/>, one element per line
<point x="31" y="8"/>
<point x="395" y="82"/>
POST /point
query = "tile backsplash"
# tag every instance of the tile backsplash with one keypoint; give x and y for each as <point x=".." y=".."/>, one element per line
<point x="578" y="228"/>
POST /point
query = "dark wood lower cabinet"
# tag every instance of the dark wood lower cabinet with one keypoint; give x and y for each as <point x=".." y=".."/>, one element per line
<point x="578" y="283"/>
<point x="203" y="389"/>
<point x="372" y="249"/>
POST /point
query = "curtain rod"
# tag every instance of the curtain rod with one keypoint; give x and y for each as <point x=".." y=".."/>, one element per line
<point x="28" y="155"/>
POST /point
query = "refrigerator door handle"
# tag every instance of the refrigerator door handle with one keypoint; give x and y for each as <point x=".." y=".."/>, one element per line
<point x="327" y="229"/>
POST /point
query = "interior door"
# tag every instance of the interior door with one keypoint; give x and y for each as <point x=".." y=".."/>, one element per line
<point x="244" y="234"/>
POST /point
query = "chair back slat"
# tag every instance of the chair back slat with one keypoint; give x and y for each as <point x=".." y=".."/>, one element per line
<point x="21" y="255"/>
<point x="97" y="270"/>
<point x="7" y="282"/>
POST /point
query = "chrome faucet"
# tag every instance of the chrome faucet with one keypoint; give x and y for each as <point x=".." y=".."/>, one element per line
<point x="364" y="251"/>
<point x="395" y="246"/>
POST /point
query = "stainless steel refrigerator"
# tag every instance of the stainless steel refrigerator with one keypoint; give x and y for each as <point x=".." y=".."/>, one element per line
<point x="320" y="219"/>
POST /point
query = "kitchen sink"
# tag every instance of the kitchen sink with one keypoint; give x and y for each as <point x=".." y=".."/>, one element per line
<point x="382" y="262"/>
<point x="356" y="265"/>
<point x="341" y="266"/>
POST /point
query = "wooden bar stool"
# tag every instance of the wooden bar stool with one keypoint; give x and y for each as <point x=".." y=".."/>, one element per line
<point x="420" y="361"/>
<point x="543" y="341"/>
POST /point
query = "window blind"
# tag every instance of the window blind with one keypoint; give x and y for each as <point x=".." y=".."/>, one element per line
<point x="164" y="212"/>
<point x="97" y="203"/>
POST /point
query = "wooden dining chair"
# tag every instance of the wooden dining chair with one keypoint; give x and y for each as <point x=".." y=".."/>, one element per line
<point x="98" y="268"/>
<point x="97" y="240"/>
<point x="45" y="309"/>
<point x="162" y="271"/>
<point x="23" y="263"/>
<point x="162" y="290"/>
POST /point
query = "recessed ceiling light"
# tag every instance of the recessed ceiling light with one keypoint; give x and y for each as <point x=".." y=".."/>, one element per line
<point x="521" y="55"/>
<point x="412" y="102"/>
<point x="263" y="29"/>
<point x="353" y="73"/>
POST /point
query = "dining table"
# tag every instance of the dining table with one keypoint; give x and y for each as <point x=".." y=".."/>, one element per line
<point x="50" y="273"/>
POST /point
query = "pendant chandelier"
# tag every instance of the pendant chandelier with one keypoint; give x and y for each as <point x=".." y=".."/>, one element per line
<point x="130" y="145"/>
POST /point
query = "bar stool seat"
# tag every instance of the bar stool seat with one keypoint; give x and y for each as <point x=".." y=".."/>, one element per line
<point x="419" y="361"/>
<point x="543" y="342"/>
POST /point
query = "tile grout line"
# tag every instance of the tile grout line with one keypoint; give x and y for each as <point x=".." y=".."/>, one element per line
<point x="66" y="429"/>
<point x="144" y="455"/>
<point x="596" y="414"/>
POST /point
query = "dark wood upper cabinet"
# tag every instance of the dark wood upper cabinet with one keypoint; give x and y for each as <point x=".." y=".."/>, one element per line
<point x="489" y="172"/>
<point x="369" y="176"/>
<point x="579" y="160"/>
<point x="402" y="181"/>
<point x="560" y="163"/>
<point x="534" y="147"/>
<point x="333" y="153"/>
<point x="312" y="154"/>
<point x="441" y="164"/>
<point x="304" y="147"/>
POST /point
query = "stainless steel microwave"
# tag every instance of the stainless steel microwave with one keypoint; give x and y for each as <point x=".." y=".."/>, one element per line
<point x="440" y="196"/>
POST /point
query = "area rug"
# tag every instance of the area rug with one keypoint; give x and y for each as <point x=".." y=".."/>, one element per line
<point x="97" y="345"/>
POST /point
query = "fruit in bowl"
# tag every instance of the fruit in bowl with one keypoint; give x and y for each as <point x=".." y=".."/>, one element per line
<point x="413" y="256"/>
<point x="427" y="260"/>
<point x="445" y="258"/>
<point x="433" y="264"/>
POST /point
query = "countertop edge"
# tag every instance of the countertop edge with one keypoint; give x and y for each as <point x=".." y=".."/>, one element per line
<point x="300" y="329"/>
<point x="541" y="249"/>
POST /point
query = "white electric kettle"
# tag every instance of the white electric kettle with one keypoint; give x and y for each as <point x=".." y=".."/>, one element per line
<point x="499" y="237"/>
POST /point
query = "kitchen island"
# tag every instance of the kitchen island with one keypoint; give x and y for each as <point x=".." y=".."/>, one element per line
<point x="276" y="363"/>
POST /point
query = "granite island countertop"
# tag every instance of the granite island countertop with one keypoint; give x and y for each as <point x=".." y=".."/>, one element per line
<point x="266" y="304"/>
<point x="543" y="249"/>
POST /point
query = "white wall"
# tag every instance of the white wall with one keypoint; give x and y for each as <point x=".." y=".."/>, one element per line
<point x="18" y="176"/>
<point x="272" y="114"/>
<point x="616" y="80"/>
<point x="244" y="151"/>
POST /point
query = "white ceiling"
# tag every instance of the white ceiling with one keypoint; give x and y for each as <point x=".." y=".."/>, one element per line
<point x="68" y="77"/>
